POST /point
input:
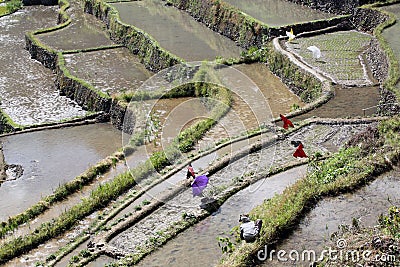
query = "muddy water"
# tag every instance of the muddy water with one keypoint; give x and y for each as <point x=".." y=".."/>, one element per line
<point x="198" y="246"/>
<point x="278" y="12"/>
<point x="339" y="107"/>
<point x="172" y="116"/>
<point x="27" y="88"/>
<point x="261" y="94"/>
<point x="277" y="94"/>
<point x="255" y="92"/>
<point x="51" y="158"/>
<point x="317" y="133"/>
<point x="365" y="205"/>
<point x="176" y="31"/>
<point x="112" y="70"/>
<point x="86" y="30"/>
<point x="163" y="107"/>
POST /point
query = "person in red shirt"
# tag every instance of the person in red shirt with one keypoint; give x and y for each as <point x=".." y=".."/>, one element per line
<point x="190" y="172"/>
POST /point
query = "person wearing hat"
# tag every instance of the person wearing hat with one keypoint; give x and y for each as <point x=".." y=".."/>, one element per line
<point x="249" y="230"/>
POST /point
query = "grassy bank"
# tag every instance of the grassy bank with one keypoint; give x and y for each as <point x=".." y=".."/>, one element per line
<point x="345" y="171"/>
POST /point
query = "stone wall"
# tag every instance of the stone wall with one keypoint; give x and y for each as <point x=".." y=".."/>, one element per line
<point x="45" y="56"/>
<point x="243" y="29"/>
<point x="377" y="61"/>
<point x="84" y="96"/>
<point x="39" y="2"/>
<point x="365" y="19"/>
<point x="334" y="6"/>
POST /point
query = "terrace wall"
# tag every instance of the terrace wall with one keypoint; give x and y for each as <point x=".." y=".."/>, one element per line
<point x="334" y="6"/>
<point x="138" y="42"/>
<point x="239" y="27"/>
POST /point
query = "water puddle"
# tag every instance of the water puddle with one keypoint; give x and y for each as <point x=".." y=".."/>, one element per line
<point x="112" y="71"/>
<point x="49" y="159"/>
<point x="87" y="31"/>
<point x="365" y="205"/>
<point x="176" y="31"/>
<point x="278" y="13"/>
<point x="27" y="89"/>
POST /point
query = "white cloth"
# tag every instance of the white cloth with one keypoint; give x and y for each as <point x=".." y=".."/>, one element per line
<point x="249" y="229"/>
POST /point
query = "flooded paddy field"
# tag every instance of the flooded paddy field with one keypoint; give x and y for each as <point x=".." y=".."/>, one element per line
<point x="50" y="158"/>
<point x="28" y="93"/>
<point x="277" y="13"/>
<point x="364" y="206"/>
<point x="86" y="30"/>
<point x="112" y="71"/>
<point x="363" y="103"/>
<point x="176" y="31"/>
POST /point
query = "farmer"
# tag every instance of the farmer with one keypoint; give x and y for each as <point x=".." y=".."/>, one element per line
<point x="249" y="230"/>
<point x="190" y="172"/>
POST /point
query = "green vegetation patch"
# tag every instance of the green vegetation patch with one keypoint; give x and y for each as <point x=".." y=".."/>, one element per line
<point x="10" y="7"/>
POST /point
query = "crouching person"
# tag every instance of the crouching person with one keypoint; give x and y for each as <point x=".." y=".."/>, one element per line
<point x="249" y="230"/>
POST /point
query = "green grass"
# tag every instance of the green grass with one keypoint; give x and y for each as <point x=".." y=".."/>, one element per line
<point x="10" y="7"/>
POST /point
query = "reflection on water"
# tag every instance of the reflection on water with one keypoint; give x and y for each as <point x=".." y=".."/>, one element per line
<point x="278" y="12"/>
<point x="51" y="158"/>
<point x="86" y="30"/>
<point x="277" y="94"/>
<point x="112" y="71"/>
<point x="176" y="31"/>
<point x="365" y="205"/>
<point x="360" y="98"/>
<point x="27" y="88"/>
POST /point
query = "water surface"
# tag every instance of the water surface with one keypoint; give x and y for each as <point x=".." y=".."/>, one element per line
<point x="278" y="13"/>
<point x="176" y="31"/>
<point x="364" y="205"/>
<point x="113" y="70"/>
<point x="27" y="89"/>
<point x="51" y="158"/>
<point x="85" y="31"/>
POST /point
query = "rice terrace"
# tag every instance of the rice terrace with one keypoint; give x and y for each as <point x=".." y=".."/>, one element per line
<point x="199" y="133"/>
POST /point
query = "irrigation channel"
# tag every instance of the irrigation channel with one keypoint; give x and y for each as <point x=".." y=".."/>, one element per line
<point x="120" y="228"/>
